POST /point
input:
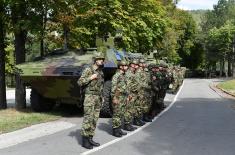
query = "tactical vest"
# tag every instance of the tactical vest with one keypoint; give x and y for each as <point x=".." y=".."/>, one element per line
<point x="95" y="87"/>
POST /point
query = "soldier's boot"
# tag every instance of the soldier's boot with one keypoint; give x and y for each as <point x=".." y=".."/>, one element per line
<point x="141" y="122"/>
<point x="134" y="128"/>
<point x="86" y="143"/>
<point x="121" y="132"/>
<point x="92" y="142"/>
<point x="138" y="122"/>
<point x="116" y="132"/>
<point x="152" y="114"/>
<point x="129" y="127"/>
<point x="146" y="118"/>
<point x="162" y="106"/>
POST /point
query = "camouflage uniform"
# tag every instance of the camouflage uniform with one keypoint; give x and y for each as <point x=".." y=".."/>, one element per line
<point x="147" y="93"/>
<point x="176" y="80"/>
<point x="155" y="88"/>
<point x="139" y="104"/>
<point x="119" y="93"/>
<point x="165" y="82"/>
<point x="93" y="99"/>
<point x="132" y="89"/>
<point x="143" y="103"/>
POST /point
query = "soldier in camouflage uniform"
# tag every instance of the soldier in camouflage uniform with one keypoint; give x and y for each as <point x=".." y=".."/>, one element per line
<point x="140" y="76"/>
<point x="147" y="95"/>
<point x="92" y="81"/>
<point x="165" y="82"/>
<point x="132" y="90"/>
<point x="143" y="101"/>
<point x="155" y="88"/>
<point x="119" y="98"/>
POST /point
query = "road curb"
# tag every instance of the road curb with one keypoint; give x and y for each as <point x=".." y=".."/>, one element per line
<point x="33" y="132"/>
<point x="221" y="92"/>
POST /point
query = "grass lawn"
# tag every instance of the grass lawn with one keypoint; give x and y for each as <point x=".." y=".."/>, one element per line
<point x="11" y="120"/>
<point x="228" y="86"/>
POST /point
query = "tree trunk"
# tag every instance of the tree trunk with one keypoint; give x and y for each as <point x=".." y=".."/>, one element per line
<point x="18" y="13"/>
<point x="233" y="62"/>
<point x="43" y="29"/>
<point x="20" y="39"/>
<point x="221" y="68"/>
<point x="42" y="35"/>
<point x="66" y="31"/>
<point x="3" y="103"/>
<point x="233" y="68"/>
<point x="42" y="51"/>
<point x="229" y="67"/>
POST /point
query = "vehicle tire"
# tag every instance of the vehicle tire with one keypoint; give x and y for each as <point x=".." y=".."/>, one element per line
<point x="39" y="103"/>
<point x="106" y="110"/>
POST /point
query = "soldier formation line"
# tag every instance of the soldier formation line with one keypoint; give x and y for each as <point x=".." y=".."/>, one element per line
<point x="137" y="94"/>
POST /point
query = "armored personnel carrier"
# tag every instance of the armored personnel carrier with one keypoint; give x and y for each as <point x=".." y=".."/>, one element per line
<point x="53" y="79"/>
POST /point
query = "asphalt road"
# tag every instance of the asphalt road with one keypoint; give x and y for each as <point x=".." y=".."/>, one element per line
<point x="199" y="123"/>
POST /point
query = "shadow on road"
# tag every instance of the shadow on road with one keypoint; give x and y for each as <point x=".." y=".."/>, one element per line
<point x="76" y="134"/>
<point x="192" y="126"/>
<point x="107" y="127"/>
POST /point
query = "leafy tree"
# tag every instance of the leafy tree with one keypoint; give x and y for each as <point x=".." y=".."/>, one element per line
<point x="187" y="31"/>
<point x="142" y="22"/>
<point x="220" y="43"/>
<point x="218" y="24"/>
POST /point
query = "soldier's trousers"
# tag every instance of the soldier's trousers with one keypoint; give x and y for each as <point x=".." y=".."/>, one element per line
<point x="92" y="106"/>
<point x="146" y="104"/>
<point x="162" y="94"/>
<point x="138" y="105"/>
<point x="130" y="110"/>
<point x="154" y="103"/>
<point x="118" y="111"/>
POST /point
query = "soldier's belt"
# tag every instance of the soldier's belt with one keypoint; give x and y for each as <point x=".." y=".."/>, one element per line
<point x="124" y="93"/>
<point x="93" y="93"/>
<point x="148" y="90"/>
<point x="133" y="93"/>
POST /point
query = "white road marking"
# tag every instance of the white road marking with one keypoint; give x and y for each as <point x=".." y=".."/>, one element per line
<point x="33" y="132"/>
<point x="137" y="130"/>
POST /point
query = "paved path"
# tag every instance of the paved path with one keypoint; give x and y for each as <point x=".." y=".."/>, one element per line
<point x="199" y="123"/>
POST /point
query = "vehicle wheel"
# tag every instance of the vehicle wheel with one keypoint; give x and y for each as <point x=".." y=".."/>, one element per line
<point x="106" y="110"/>
<point x="39" y="103"/>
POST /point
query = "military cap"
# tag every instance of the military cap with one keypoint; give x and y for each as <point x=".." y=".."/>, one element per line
<point x="162" y="64"/>
<point x="166" y="65"/>
<point x="99" y="55"/>
<point x="142" y="61"/>
<point x="122" y="63"/>
<point x="134" y="61"/>
<point x="151" y="66"/>
<point x="118" y="33"/>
